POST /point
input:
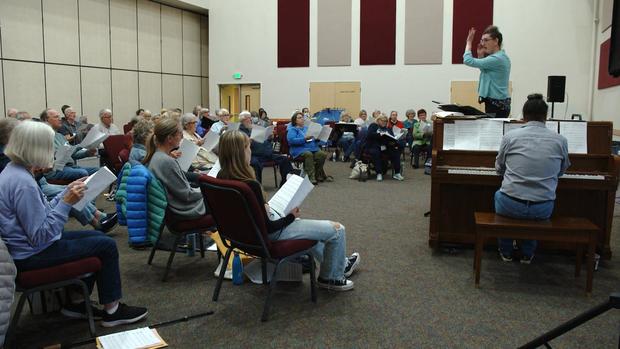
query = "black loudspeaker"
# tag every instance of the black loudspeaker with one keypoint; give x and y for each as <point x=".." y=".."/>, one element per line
<point x="555" y="89"/>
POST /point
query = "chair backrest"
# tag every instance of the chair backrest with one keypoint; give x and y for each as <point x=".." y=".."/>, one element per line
<point x="123" y="156"/>
<point x="113" y="146"/>
<point x="127" y="127"/>
<point x="281" y="131"/>
<point x="237" y="214"/>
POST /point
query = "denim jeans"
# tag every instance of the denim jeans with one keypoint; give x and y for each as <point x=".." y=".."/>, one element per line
<point x="330" y="250"/>
<point x="71" y="173"/>
<point x="74" y="245"/>
<point x="506" y="206"/>
<point x="347" y="144"/>
<point x="84" y="217"/>
<point x="393" y="155"/>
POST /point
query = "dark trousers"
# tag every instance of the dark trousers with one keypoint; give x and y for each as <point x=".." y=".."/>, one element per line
<point x="417" y="149"/>
<point x="74" y="245"/>
<point x="393" y="155"/>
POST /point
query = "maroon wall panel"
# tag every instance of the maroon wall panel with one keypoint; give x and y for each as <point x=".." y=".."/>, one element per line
<point x="604" y="79"/>
<point x="293" y="33"/>
<point x="467" y="14"/>
<point x="377" y="32"/>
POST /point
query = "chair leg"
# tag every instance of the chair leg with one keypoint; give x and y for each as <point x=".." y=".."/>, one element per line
<point x="201" y="242"/>
<point x="272" y="285"/>
<point x="312" y="278"/>
<point x="263" y="266"/>
<point x="275" y="175"/>
<point x="218" y="285"/>
<point x="161" y="231"/>
<point x="10" y="336"/>
<point x="173" y="251"/>
<point x="89" y="310"/>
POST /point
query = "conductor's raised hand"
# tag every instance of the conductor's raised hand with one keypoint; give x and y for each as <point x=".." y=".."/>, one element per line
<point x="470" y="38"/>
<point x="75" y="192"/>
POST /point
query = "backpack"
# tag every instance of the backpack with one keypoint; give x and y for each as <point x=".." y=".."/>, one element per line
<point x="359" y="171"/>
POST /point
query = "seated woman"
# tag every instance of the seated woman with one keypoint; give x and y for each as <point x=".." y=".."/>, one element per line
<point x="204" y="159"/>
<point x="378" y="143"/>
<point x="422" y="138"/>
<point x="346" y="141"/>
<point x="408" y="124"/>
<point x="307" y="148"/>
<point x="183" y="200"/>
<point x="141" y="132"/>
<point x="32" y="227"/>
<point x="235" y="157"/>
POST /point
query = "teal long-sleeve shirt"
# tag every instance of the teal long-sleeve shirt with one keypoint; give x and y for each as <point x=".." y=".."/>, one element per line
<point x="494" y="74"/>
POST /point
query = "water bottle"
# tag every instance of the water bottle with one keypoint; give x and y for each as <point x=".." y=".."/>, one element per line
<point x="191" y="244"/>
<point x="237" y="272"/>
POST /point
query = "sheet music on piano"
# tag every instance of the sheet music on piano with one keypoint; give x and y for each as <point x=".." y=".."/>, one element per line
<point x="448" y="136"/>
<point x="552" y="125"/>
<point x="482" y="134"/>
<point x="576" y="134"/>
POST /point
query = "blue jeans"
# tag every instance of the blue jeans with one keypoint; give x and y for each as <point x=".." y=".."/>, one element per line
<point x="330" y="250"/>
<point x="71" y="173"/>
<point x="84" y="217"/>
<point x="347" y="144"/>
<point x="508" y="207"/>
<point x="75" y="245"/>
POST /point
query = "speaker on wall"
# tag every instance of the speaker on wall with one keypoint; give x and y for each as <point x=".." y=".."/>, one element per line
<point x="555" y="88"/>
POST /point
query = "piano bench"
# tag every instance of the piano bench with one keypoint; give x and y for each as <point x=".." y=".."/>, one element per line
<point x="560" y="229"/>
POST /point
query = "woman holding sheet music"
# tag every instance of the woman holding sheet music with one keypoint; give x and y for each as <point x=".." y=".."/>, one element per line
<point x="379" y="142"/>
<point x="32" y="227"/>
<point x="235" y="157"/>
<point x="306" y="148"/>
<point x="204" y="159"/>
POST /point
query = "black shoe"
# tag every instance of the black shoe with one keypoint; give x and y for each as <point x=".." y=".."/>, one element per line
<point x="335" y="285"/>
<point x="78" y="311"/>
<point x="108" y="223"/>
<point x="352" y="263"/>
<point x="125" y="314"/>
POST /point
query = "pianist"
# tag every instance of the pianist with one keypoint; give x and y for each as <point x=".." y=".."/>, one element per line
<point x="530" y="158"/>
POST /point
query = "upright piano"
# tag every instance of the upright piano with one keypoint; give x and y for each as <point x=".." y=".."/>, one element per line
<point x="464" y="181"/>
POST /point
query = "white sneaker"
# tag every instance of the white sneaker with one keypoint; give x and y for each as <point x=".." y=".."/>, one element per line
<point x="398" y="177"/>
<point x="352" y="263"/>
<point x="379" y="177"/>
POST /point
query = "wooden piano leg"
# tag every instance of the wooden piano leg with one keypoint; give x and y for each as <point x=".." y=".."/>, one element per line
<point x="478" y="256"/>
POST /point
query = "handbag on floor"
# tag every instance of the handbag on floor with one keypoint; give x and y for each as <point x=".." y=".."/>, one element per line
<point x="359" y="171"/>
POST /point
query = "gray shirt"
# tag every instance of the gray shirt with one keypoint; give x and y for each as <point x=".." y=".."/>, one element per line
<point x="182" y="198"/>
<point x="531" y="158"/>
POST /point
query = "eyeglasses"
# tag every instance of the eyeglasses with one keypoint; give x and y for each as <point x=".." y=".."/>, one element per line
<point x="485" y="39"/>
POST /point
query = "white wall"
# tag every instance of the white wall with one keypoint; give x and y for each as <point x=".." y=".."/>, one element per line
<point x="607" y="101"/>
<point x="551" y="37"/>
<point x="95" y="54"/>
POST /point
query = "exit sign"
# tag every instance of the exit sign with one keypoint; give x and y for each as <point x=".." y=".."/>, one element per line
<point x="237" y="76"/>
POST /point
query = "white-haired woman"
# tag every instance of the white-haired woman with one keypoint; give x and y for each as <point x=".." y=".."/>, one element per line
<point x="32" y="227"/>
<point x="205" y="159"/>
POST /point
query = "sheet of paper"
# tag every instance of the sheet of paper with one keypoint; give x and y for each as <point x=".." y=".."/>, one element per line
<point x="211" y="140"/>
<point x="466" y="135"/>
<point x="509" y="126"/>
<point x="215" y="169"/>
<point x="552" y="125"/>
<point x="188" y="150"/>
<point x="324" y="134"/>
<point x="95" y="185"/>
<point x="398" y="132"/>
<point x="261" y="134"/>
<point x="576" y="134"/>
<point x="93" y="139"/>
<point x="445" y="114"/>
<point x="232" y="126"/>
<point x="448" y="136"/>
<point x="138" y="338"/>
<point x="62" y="156"/>
<point x="314" y="129"/>
<point x="491" y="133"/>
<point x="291" y="195"/>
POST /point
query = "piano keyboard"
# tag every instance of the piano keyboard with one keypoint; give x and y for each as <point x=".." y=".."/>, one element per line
<point x="487" y="171"/>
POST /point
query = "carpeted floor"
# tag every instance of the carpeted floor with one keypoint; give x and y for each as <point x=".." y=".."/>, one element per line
<point x="406" y="294"/>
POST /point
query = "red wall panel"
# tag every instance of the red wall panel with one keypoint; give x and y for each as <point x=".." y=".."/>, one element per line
<point x="377" y="32"/>
<point x="293" y="33"/>
<point x="604" y="79"/>
<point x="467" y="14"/>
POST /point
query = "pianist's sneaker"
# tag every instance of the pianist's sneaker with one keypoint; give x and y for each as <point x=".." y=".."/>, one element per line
<point x="398" y="177"/>
<point x="526" y="259"/>
<point x="505" y="257"/>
